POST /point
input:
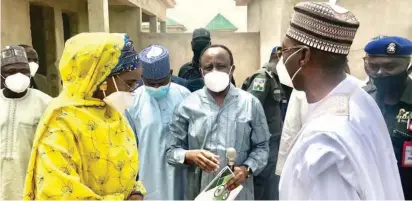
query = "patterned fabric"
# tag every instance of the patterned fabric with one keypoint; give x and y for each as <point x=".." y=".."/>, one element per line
<point x="155" y="62"/>
<point x="323" y="26"/>
<point x="84" y="149"/>
<point x="12" y="55"/>
<point x="199" y="123"/>
<point x="128" y="59"/>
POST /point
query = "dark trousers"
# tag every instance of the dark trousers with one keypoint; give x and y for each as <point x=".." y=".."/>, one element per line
<point x="406" y="179"/>
<point x="266" y="184"/>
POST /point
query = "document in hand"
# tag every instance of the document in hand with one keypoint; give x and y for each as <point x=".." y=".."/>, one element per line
<point x="216" y="189"/>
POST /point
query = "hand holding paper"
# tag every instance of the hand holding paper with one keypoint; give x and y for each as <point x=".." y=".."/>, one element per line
<point x="240" y="177"/>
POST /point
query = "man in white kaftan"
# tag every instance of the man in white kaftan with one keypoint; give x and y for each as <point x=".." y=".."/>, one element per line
<point x="339" y="150"/>
<point x="295" y="115"/>
<point x="343" y="151"/>
<point x="20" y="112"/>
<point x="150" y="117"/>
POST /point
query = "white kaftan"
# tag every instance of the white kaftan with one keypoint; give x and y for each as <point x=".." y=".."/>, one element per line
<point x="295" y="115"/>
<point x="343" y="151"/>
<point x="150" y="119"/>
<point x="18" y="122"/>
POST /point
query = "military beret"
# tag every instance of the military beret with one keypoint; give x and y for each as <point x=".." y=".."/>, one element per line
<point x="276" y="49"/>
<point x="389" y="46"/>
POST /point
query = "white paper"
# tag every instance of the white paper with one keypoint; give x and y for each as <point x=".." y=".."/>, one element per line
<point x="216" y="188"/>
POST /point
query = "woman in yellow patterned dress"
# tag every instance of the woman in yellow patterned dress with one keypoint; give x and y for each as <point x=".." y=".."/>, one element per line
<point x="84" y="148"/>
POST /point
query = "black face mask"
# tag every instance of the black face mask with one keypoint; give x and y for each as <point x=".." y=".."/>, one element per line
<point x="390" y="84"/>
<point x="198" y="47"/>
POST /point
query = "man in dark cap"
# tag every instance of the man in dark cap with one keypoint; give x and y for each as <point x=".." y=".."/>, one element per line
<point x="343" y="150"/>
<point x="386" y="62"/>
<point x="37" y="80"/>
<point x="191" y="71"/>
<point x="265" y="85"/>
<point x="21" y="108"/>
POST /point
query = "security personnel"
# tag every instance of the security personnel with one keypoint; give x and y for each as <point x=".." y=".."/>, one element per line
<point x="190" y="71"/>
<point x="386" y="63"/>
<point x="265" y="85"/>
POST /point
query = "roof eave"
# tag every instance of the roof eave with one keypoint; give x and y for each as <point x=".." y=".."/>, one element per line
<point x="169" y="3"/>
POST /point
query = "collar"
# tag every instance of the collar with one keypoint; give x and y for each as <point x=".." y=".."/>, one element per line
<point x="407" y="93"/>
<point x="233" y="93"/>
<point x="16" y="99"/>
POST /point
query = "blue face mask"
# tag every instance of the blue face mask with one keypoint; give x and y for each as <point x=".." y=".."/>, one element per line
<point x="159" y="92"/>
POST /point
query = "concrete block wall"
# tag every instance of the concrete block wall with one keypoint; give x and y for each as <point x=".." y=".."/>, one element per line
<point x="377" y="17"/>
<point x="244" y="46"/>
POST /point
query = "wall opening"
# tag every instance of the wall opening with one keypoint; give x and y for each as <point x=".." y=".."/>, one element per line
<point x="43" y="35"/>
<point x="66" y="27"/>
<point x="38" y="36"/>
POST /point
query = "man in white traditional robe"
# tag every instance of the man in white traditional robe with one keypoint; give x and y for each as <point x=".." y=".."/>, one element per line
<point x="150" y="117"/>
<point x="343" y="150"/>
<point x="295" y="115"/>
<point x="21" y="109"/>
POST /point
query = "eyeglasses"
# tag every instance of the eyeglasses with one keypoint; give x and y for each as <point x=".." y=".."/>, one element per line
<point x="291" y="48"/>
<point x="131" y="88"/>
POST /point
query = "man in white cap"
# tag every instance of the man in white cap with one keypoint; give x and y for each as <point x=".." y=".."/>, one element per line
<point x="150" y="117"/>
<point x="343" y="150"/>
<point x="20" y="112"/>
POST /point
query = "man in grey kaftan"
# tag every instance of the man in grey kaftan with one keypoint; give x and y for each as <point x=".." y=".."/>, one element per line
<point x="199" y="123"/>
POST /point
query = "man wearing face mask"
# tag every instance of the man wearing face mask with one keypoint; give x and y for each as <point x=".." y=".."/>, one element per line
<point x="265" y="85"/>
<point x="343" y="150"/>
<point x="21" y="109"/>
<point x="37" y="81"/>
<point x="215" y="118"/>
<point x="386" y="63"/>
<point x="191" y="71"/>
<point x="151" y="115"/>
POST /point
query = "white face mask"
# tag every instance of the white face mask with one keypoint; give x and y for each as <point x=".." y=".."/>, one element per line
<point x="33" y="68"/>
<point x="119" y="100"/>
<point x="283" y="73"/>
<point x="17" y="82"/>
<point x="217" y="81"/>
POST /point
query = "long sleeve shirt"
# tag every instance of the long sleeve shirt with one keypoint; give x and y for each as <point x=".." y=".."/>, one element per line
<point x="342" y="152"/>
<point x="199" y="123"/>
<point x="18" y="122"/>
<point x="150" y="119"/>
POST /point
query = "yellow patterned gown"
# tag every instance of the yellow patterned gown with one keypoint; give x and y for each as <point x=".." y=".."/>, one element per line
<point x="84" y="149"/>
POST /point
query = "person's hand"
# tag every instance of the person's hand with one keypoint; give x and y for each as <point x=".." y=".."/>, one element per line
<point x="240" y="177"/>
<point x="205" y="160"/>
<point x="134" y="196"/>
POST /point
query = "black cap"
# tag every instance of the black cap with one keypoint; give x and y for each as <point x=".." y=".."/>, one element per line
<point x="201" y="33"/>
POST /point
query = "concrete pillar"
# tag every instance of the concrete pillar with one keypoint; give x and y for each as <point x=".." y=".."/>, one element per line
<point x="272" y="22"/>
<point x="15" y="23"/>
<point x="163" y="27"/>
<point x="134" y="26"/>
<point x="98" y="15"/>
<point x="59" y="37"/>
<point x="83" y="18"/>
<point x="253" y="16"/>
<point x="153" y="24"/>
